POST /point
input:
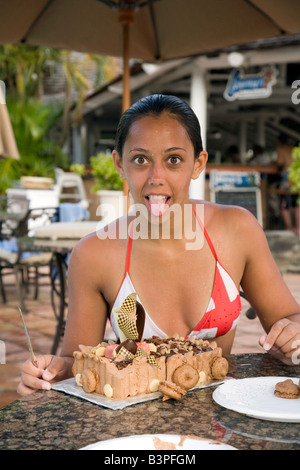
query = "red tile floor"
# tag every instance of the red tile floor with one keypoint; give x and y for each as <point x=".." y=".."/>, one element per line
<point x="41" y="324"/>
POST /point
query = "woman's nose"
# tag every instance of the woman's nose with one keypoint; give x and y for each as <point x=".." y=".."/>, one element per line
<point x="156" y="176"/>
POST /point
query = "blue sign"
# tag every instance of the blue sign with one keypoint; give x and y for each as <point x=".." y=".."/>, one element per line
<point x="234" y="179"/>
<point x="243" y="87"/>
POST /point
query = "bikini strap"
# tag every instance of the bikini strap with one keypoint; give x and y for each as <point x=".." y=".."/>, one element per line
<point x="129" y="244"/>
<point x="206" y="235"/>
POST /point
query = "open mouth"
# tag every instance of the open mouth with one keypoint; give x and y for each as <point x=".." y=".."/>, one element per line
<point x="157" y="204"/>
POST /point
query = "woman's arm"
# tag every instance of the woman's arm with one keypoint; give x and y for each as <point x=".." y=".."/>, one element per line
<point x="267" y="292"/>
<point x="86" y="319"/>
<point x="87" y="310"/>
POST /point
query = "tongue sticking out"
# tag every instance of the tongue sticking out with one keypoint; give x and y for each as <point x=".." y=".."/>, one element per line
<point x="158" y="205"/>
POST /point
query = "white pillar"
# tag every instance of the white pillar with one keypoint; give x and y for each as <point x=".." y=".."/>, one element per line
<point x="76" y="145"/>
<point x="79" y="144"/>
<point x="198" y="102"/>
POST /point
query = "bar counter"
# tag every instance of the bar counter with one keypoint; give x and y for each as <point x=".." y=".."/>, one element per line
<point x="270" y="169"/>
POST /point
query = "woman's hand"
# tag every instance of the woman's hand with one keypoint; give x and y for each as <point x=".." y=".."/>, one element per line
<point x="283" y="341"/>
<point x="38" y="378"/>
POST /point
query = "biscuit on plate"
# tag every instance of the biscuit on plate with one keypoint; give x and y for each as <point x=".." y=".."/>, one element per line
<point x="287" y="389"/>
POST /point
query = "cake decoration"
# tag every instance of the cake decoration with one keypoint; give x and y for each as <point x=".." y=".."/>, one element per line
<point x="185" y="376"/>
<point x="171" y="390"/>
<point x="130" y="319"/>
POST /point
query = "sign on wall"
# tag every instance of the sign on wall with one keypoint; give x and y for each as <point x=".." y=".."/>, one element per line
<point x="243" y="86"/>
<point x="237" y="189"/>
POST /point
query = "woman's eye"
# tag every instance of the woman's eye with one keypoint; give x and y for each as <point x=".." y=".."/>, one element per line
<point x="174" y="160"/>
<point x="140" y="160"/>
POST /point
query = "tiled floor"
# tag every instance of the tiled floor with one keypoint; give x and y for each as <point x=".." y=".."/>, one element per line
<point x="41" y="325"/>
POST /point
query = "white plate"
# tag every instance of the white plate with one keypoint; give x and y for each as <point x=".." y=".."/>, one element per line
<point x="255" y="397"/>
<point x="159" y="442"/>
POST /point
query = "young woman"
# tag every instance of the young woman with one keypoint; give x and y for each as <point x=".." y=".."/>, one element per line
<point x="188" y="284"/>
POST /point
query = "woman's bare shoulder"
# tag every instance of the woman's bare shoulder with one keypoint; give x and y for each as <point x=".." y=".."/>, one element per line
<point x="236" y="214"/>
<point x="233" y="228"/>
<point x="227" y="216"/>
<point x="103" y="244"/>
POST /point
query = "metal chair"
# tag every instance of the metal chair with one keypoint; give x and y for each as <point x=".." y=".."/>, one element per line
<point x="17" y="220"/>
<point x="13" y="216"/>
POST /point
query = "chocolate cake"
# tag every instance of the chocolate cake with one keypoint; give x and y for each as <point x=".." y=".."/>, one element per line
<point x="137" y="366"/>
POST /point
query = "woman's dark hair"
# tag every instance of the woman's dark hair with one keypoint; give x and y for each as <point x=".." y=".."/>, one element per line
<point x="155" y="105"/>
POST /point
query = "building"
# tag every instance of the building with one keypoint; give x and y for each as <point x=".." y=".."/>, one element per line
<point x="243" y="98"/>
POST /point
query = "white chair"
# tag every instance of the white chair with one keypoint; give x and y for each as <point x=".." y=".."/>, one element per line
<point x="70" y="187"/>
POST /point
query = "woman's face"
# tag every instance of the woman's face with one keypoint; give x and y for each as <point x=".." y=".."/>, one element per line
<point x="158" y="163"/>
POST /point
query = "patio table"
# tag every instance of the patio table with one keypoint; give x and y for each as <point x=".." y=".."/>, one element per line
<point x="54" y="420"/>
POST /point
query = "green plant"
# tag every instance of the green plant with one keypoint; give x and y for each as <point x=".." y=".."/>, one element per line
<point x="24" y="69"/>
<point x="78" y="168"/>
<point x="32" y="122"/>
<point x="9" y="171"/>
<point x="104" y="172"/>
<point x="294" y="171"/>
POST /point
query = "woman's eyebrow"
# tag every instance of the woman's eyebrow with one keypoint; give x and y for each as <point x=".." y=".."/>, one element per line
<point x="171" y="149"/>
<point x="139" y="149"/>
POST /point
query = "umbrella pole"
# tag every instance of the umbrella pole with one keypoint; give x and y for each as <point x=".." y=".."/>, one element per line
<point x="126" y="19"/>
<point x="126" y="67"/>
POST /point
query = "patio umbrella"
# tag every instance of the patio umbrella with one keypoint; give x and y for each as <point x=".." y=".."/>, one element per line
<point x="152" y="30"/>
<point x="8" y="146"/>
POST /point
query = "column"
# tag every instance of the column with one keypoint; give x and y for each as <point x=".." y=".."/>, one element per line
<point x="261" y="132"/>
<point x="76" y="145"/>
<point x="243" y="141"/>
<point x="198" y="102"/>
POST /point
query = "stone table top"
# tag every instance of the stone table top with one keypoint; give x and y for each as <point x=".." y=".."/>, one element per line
<point x="52" y="420"/>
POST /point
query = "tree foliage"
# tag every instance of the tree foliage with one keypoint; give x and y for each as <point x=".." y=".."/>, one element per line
<point x="40" y="128"/>
<point x="294" y="171"/>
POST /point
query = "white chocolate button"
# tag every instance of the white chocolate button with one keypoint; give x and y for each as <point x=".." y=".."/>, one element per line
<point x="100" y="352"/>
<point x="202" y="378"/>
<point x="152" y="347"/>
<point x="108" y="391"/>
<point x="154" y="385"/>
<point x="78" y="380"/>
